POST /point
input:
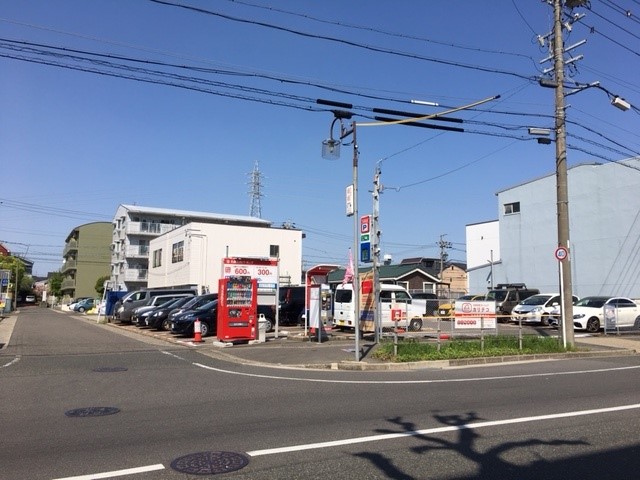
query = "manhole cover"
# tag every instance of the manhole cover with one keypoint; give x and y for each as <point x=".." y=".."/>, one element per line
<point x="91" y="412"/>
<point x="110" y="369"/>
<point x="210" y="463"/>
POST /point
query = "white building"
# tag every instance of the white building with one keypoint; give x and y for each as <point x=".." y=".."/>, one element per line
<point x="604" y="225"/>
<point x="134" y="227"/>
<point x="192" y="254"/>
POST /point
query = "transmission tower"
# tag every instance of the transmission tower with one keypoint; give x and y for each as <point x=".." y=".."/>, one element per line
<point x="255" y="191"/>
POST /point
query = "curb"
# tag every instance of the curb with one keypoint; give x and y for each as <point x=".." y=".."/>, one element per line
<point x="351" y="365"/>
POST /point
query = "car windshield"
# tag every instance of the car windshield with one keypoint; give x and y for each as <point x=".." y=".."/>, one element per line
<point x="536" y="300"/>
<point x="497" y="295"/>
<point x="592" y="302"/>
<point x="207" y="306"/>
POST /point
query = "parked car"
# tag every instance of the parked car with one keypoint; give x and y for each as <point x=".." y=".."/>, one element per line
<point x="507" y="296"/>
<point x="84" y="305"/>
<point x="537" y="308"/>
<point x="432" y="302"/>
<point x="125" y="306"/>
<point x="159" y="317"/>
<point x="207" y="314"/>
<point x="30" y="299"/>
<point x="73" y="303"/>
<point x="139" y="314"/>
<point x="446" y="310"/>
<point x="588" y="313"/>
<point x="192" y="304"/>
<point x="291" y="305"/>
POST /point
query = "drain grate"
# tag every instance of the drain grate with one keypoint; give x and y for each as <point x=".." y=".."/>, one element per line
<point x="91" y="412"/>
<point x="110" y="369"/>
<point x="210" y="463"/>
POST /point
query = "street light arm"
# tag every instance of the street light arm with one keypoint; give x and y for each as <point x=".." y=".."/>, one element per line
<point x="427" y="117"/>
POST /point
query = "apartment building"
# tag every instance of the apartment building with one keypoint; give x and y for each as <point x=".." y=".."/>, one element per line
<point x="134" y="227"/>
<point x="86" y="257"/>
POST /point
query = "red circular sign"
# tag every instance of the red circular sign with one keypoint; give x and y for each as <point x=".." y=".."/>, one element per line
<point x="561" y="253"/>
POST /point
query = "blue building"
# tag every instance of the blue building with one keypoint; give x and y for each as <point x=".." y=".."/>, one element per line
<point x="604" y="224"/>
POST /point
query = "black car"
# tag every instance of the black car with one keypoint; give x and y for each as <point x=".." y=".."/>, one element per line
<point x="191" y="305"/>
<point x="207" y="314"/>
<point x="159" y="317"/>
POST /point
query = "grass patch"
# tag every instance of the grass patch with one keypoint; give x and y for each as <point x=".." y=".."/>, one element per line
<point x="410" y="350"/>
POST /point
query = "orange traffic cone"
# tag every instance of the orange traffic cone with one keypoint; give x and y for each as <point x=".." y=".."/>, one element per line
<point x="197" y="331"/>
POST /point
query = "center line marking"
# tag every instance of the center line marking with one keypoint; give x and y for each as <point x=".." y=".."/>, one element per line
<point x="429" y="431"/>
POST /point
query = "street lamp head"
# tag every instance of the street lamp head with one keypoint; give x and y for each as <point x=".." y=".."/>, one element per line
<point x="620" y="103"/>
<point x="330" y="149"/>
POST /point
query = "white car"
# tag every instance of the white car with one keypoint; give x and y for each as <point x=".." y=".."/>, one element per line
<point x="537" y="308"/>
<point x="588" y="313"/>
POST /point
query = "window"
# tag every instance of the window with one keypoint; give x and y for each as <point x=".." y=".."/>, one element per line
<point x="177" y="252"/>
<point x="510" y="208"/>
<point x="157" y="258"/>
<point x="274" y="251"/>
<point x="385" y="296"/>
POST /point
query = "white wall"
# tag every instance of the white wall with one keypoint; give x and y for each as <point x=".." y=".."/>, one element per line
<point x="483" y="243"/>
<point x="205" y="245"/>
<point x="604" y="224"/>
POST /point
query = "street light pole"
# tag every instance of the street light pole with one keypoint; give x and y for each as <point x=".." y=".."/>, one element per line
<point x="356" y="242"/>
<point x="562" y="192"/>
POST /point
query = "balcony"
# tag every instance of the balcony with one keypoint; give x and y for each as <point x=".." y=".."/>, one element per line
<point x="138" y="251"/>
<point x="136" y="275"/>
<point x="70" y="264"/>
<point x="71" y="246"/>
<point x="68" y="284"/>
<point x="146" y="228"/>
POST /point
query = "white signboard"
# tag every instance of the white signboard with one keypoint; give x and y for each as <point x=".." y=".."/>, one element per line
<point x="610" y="316"/>
<point x="264" y="270"/>
<point x="475" y="314"/>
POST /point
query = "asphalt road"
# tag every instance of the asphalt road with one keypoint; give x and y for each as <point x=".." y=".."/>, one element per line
<point x="166" y="404"/>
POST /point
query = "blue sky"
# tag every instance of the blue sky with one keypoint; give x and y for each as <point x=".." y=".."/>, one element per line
<point x="75" y="144"/>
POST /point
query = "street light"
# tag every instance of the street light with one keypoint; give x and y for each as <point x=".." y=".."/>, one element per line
<point x="331" y="151"/>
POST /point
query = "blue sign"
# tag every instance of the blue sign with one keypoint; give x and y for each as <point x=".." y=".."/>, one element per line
<point x="365" y="252"/>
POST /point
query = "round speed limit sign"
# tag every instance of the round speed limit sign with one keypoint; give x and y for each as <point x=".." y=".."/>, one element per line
<point x="561" y="253"/>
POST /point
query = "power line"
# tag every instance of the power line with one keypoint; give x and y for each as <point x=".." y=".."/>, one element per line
<point x="493" y="70"/>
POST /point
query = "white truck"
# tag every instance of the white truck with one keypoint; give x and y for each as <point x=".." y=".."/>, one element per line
<point x="394" y="300"/>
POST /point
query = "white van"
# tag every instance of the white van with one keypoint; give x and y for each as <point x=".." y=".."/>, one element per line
<point x="392" y="297"/>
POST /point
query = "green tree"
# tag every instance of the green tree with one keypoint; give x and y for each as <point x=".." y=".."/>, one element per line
<point x="100" y="284"/>
<point x="16" y="267"/>
<point x="55" y="284"/>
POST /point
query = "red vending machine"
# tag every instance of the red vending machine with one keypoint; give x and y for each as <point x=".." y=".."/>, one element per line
<point x="237" y="309"/>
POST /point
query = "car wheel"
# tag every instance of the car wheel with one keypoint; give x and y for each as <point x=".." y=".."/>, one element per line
<point x="593" y="325"/>
<point x="204" y="329"/>
<point x="81" y="309"/>
<point x="269" y="324"/>
<point x="415" y="325"/>
<point x="544" y="320"/>
<point x="636" y="325"/>
<point x="165" y="325"/>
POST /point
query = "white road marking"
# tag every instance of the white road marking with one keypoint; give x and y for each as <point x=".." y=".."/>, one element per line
<point x="408" y="382"/>
<point x="173" y="355"/>
<point x="430" y="431"/>
<point x="116" y="473"/>
<point x="15" y="360"/>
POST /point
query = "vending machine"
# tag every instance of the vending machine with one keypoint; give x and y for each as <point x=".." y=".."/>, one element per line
<point x="237" y="309"/>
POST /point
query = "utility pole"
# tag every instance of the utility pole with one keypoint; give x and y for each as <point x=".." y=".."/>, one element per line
<point x="562" y="191"/>
<point x="375" y="245"/>
<point x="443" y="252"/>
